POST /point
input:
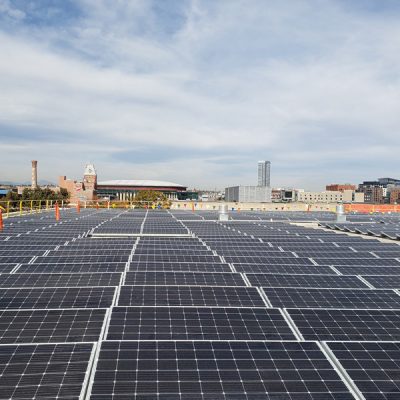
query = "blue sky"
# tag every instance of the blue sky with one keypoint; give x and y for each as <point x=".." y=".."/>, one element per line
<point x="198" y="91"/>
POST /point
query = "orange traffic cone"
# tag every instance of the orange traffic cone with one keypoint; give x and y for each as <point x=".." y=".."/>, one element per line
<point x="78" y="208"/>
<point x="1" y="220"/>
<point x="57" y="210"/>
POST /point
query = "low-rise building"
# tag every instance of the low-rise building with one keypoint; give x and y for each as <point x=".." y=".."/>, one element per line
<point x="279" y="195"/>
<point x="248" y="194"/>
<point x="330" y="196"/>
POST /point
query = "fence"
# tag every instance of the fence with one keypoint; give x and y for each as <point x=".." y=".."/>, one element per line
<point x="20" y="207"/>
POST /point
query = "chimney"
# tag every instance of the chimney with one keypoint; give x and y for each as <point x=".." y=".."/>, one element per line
<point x="34" y="174"/>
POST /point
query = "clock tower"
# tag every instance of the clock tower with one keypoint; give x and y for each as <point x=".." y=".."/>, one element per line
<point x="90" y="177"/>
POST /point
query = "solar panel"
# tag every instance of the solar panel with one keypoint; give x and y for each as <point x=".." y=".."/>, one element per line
<point x="367" y="270"/>
<point x="14" y="259"/>
<point x="373" y="366"/>
<point x="332" y="298"/>
<point x="59" y="280"/>
<point x="167" y="250"/>
<point x="80" y="259"/>
<point x="51" y="326"/>
<point x="387" y="253"/>
<point x="207" y="296"/>
<point x="71" y="268"/>
<point x="357" y="261"/>
<point x="197" y="327"/>
<point x="347" y="325"/>
<point x="51" y="371"/>
<point x="383" y="281"/>
<point x="5" y="268"/>
<point x="269" y="260"/>
<point x="83" y="297"/>
<point x="21" y="253"/>
<point x="179" y="267"/>
<point x="193" y="323"/>
<point x="177" y="258"/>
<point x="184" y="278"/>
<point x="210" y="370"/>
<point x="282" y="269"/>
<point x="338" y="253"/>
<point x="317" y="281"/>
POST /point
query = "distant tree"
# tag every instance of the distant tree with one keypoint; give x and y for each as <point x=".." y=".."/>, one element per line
<point x="151" y="197"/>
<point x="38" y="194"/>
<point x="13" y="198"/>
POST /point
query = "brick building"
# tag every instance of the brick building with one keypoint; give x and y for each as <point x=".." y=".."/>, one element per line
<point x="378" y="192"/>
<point x="81" y="190"/>
<point x="374" y="194"/>
<point x="395" y="196"/>
<point x="338" y="187"/>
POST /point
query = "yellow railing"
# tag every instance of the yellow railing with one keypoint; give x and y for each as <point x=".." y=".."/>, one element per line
<point x="20" y="207"/>
<point x="23" y="207"/>
<point x="112" y="204"/>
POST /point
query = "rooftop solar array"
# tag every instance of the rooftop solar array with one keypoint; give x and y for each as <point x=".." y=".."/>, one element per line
<point x="383" y="226"/>
<point x="154" y="304"/>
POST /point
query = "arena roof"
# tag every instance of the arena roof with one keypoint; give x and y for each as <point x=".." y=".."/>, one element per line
<point x="139" y="182"/>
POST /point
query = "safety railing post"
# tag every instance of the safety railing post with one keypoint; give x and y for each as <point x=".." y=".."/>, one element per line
<point x="20" y="207"/>
<point x="8" y="209"/>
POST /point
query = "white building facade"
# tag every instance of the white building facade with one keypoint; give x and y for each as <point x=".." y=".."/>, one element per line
<point x="248" y="194"/>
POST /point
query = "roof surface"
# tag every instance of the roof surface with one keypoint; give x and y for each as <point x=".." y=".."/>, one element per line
<point x="139" y="182"/>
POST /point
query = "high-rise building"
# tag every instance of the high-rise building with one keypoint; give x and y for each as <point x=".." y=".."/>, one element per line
<point x="264" y="173"/>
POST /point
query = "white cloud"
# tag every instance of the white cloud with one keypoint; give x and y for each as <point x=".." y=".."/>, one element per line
<point x="12" y="12"/>
<point x="309" y="84"/>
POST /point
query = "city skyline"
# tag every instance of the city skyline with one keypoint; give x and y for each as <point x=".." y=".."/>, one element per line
<point x="197" y="92"/>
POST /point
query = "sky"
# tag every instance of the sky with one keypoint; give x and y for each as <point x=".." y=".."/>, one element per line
<point x="197" y="91"/>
